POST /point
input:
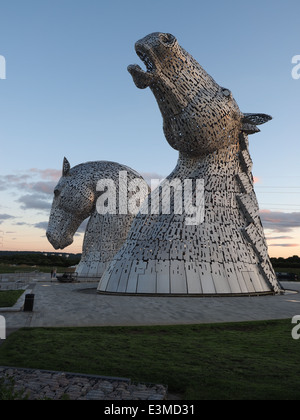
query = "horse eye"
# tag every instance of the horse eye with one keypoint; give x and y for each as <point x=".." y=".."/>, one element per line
<point x="226" y="92"/>
<point x="56" y="193"/>
<point x="167" y="39"/>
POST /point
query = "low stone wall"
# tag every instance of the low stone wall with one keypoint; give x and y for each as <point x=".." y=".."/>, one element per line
<point x="40" y="384"/>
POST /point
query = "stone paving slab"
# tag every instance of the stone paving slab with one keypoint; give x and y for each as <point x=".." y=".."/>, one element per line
<point x="74" y="304"/>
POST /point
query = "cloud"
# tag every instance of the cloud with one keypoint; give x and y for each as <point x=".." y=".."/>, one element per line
<point x="21" y="224"/>
<point x="4" y="217"/>
<point x="38" y="180"/>
<point x="280" y="221"/>
<point x="41" y="225"/>
<point x="42" y="187"/>
<point x="48" y="174"/>
<point x="10" y="181"/>
<point x="34" y="201"/>
<point x="270" y="238"/>
<point x="44" y="226"/>
<point x="285" y="245"/>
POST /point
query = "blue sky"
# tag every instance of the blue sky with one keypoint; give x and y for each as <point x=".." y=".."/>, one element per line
<point x="67" y="93"/>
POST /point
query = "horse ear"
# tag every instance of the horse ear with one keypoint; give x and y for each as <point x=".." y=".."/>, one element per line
<point x="250" y="121"/>
<point x="66" y="167"/>
<point x="256" y="119"/>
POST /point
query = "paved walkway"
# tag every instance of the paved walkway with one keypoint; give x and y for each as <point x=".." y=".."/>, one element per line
<point x="58" y="304"/>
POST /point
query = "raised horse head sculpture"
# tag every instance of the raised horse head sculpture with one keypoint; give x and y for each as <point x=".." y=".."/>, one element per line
<point x="226" y="253"/>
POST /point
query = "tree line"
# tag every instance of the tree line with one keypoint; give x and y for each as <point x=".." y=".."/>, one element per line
<point x="291" y="262"/>
<point x="40" y="259"/>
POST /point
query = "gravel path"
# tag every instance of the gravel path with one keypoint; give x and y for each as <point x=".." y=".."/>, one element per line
<point x="40" y="385"/>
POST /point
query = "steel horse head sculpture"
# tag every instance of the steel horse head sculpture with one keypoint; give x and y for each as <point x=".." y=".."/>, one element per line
<point x="75" y="198"/>
<point x="225" y="254"/>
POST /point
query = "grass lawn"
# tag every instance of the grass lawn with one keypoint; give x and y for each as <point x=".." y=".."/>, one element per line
<point x="9" y="297"/>
<point x="250" y="360"/>
<point x="288" y="270"/>
<point x="8" y="268"/>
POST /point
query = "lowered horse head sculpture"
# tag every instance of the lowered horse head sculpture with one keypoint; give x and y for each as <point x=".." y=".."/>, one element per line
<point x="225" y="252"/>
<point x="75" y="199"/>
<point x="72" y="203"/>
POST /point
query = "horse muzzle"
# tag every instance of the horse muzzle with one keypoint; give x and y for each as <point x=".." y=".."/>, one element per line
<point x="59" y="242"/>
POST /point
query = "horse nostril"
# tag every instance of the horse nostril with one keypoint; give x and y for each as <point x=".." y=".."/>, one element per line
<point x="52" y="240"/>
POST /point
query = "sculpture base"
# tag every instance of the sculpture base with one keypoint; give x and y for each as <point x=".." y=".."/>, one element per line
<point x="182" y="278"/>
<point x="164" y="295"/>
<point x="83" y="279"/>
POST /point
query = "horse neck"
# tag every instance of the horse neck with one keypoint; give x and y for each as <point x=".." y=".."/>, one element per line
<point x="222" y="162"/>
<point x="88" y="174"/>
<point x="231" y="163"/>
